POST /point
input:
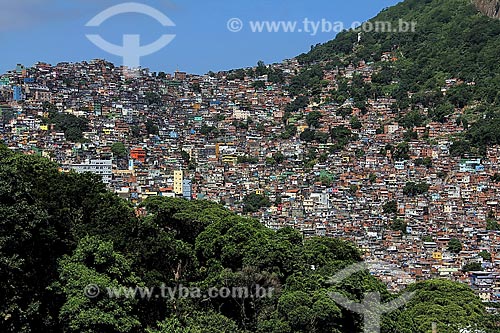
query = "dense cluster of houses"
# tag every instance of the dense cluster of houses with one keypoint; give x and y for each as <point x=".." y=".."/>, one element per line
<point x="220" y="137"/>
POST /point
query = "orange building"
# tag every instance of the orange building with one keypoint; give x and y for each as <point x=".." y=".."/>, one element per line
<point x="138" y="154"/>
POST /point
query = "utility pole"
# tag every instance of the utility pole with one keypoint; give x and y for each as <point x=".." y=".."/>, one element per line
<point x="434" y="328"/>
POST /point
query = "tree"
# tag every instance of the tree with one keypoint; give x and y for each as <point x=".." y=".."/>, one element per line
<point x="401" y="152"/>
<point x="344" y="111"/>
<point x="472" y="266"/>
<point x="307" y="135"/>
<point x="203" y="322"/>
<point x="151" y="128"/>
<point x="309" y="313"/>
<point x="185" y="157"/>
<point x="313" y="119"/>
<point x="341" y="135"/>
<point x="496" y="177"/>
<point x="326" y="178"/>
<point x="254" y="202"/>
<point x="410" y="135"/>
<point x="290" y="130"/>
<point x="355" y="123"/>
<point x="399" y="225"/>
<point x="353" y="189"/>
<point x="390" y="207"/>
<point x="86" y="278"/>
<point x="119" y="150"/>
<point x="412" y="119"/>
<point x="259" y="84"/>
<point x="153" y="98"/>
<point x="441" y="112"/>
<point x="279" y="157"/>
<point x="211" y="130"/>
<point x="460" y="148"/>
<point x="492" y="224"/>
<point x="261" y="68"/>
<point x="412" y="189"/>
<point x="72" y="126"/>
<point x="485" y="255"/>
<point x="427" y="162"/>
<point x="135" y="131"/>
<point x="45" y="212"/>
<point x="323" y="158"/>
<point x="453" y="306"/>
<point x="427" y="238"/>
<point x="454" y="245"/>
<point x="298" y="103"/>
<point x="73" y="134"/>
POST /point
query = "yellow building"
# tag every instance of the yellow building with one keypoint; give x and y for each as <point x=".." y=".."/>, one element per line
<point x="437" y="255"/>
<point x="301" y="128"/>
<point x="178" y="178"/>
<point x="230" y="159"/>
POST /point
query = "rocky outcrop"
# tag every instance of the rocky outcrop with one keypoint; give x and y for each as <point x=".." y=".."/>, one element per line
<point x="490" y="8"/>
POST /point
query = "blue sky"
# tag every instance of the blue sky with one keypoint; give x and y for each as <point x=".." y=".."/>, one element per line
<point x="54" y="31"/>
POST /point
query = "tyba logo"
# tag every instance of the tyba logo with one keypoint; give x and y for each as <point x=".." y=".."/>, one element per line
<point x="131" y="51"/>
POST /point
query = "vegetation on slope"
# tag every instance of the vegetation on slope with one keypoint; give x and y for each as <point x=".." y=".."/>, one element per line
<point x="453" y="40"/>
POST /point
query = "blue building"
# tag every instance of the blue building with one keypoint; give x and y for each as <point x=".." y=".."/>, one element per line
<point x="17" y="93"/>
<point x="20" y="68"/>
<point x="187" y="189"/>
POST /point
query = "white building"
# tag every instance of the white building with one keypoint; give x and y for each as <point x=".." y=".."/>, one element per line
<point x="103" y="168"/>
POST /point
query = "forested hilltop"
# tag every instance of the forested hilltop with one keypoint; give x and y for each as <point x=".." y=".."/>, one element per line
<point x="63" y="232"/>
<point x="453" y="40"/>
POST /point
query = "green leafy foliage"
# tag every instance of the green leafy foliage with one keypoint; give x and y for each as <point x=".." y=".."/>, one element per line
<point x="253" y="202"/>
<point x="412" y="189"/>
<point x="341" y="135"/>
<point x="95" y="264"/>
<point x="119" y="150"/>
<point x="454" y="245"/>
<point x="473" y="266"/>
<point x="151" y="128"/>
<point x="72" y="126"/>
<point x="390" y="207"/>
<point x="61" y="232"/>
<point x="492" y="224"/>
<point x="485" y="255"/>
<point x="313" y="119"/>
<point x="44" y="214"/>
<point x="453" y="306"/>
<point x="399" y="225"/>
